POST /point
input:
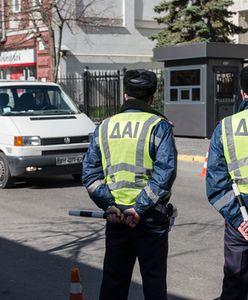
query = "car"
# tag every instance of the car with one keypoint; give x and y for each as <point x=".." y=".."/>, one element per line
<point x="42" y="131"/>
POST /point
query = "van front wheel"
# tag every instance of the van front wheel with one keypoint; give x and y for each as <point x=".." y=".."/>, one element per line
<point x="5" y="177"/>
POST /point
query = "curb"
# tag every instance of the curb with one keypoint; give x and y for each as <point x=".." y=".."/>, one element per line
<point x="195" y="158"/>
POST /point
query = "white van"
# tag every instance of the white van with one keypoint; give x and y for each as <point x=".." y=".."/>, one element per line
<point x="41" y="131"/>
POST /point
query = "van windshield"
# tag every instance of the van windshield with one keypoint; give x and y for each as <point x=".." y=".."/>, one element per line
<point x="35" y="100"/>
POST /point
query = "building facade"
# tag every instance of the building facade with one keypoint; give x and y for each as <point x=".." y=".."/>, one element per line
<point x="124" y="41"/>
<point x="117" y="39"/>
<point x="241" y="18"/>
<point x="22" y="52"/>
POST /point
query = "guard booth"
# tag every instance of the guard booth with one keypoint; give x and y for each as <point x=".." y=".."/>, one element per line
<point x="201" y="84"/>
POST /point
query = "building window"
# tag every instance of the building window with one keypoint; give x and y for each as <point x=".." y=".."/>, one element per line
<point x="37" y="2"/>
<point x="16" y="6"/>
<point x="185" y="85"/>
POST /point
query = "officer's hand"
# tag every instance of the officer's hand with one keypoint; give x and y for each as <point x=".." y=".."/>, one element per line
<point x="131" y="217"/>
<point x="243" y="229"/>
<point x="113" y="214"/>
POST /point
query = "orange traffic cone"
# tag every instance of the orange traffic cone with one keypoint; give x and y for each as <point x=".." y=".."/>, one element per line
<point x="204" y="169"/>
<point x="76" y="292"/>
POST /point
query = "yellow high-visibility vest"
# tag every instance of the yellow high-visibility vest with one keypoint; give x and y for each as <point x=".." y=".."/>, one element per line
<point x="235" y="143"/>
<point x="124" y="144"/>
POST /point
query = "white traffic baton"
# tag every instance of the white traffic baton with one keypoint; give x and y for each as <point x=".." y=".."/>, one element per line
<point x="88" y="213"/>
<point x="240" y="201"/>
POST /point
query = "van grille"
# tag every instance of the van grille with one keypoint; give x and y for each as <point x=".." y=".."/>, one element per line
<point x="64" y="140"/>
<point x="64" y="151"/>
<point x="51" y="118"/>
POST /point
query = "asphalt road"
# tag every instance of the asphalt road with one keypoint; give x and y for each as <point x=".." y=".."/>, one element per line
<point x="39" y="242"/>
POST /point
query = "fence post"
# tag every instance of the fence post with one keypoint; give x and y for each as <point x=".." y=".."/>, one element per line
<point x="86" y="89"/>
<point x="118" y="92"/>
<point x="124" y="70"/>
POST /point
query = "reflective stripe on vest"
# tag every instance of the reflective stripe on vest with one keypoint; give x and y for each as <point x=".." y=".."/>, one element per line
<point x="91" y="189"/>
<point x="235" y="144"/>
<point x="225" y="200"/>
<point x="124" y="142"/>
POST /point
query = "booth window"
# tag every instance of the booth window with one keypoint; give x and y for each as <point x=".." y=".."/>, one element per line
<point x="185" y="85"/>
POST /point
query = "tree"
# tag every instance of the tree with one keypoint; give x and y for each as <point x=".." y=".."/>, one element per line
<point x="53" y="16"/>
<point x="190" y="21"/>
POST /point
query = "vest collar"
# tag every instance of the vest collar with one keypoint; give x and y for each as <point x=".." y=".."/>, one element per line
<point x="140" y="105"/>
<point x="243" y="105"/>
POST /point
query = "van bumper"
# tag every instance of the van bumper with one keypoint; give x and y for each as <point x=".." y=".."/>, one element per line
<point x="45" y="165"/>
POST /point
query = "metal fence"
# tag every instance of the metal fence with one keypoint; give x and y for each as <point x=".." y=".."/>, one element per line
<point x="100" y="93"/>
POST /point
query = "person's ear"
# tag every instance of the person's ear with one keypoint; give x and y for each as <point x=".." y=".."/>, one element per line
<point x="242" y="94"/>
<point x="125" y="97"/>
<point x="150" y="99"/>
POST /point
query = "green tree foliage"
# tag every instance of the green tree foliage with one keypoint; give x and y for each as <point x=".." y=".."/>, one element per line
<point x="192" y="21"/>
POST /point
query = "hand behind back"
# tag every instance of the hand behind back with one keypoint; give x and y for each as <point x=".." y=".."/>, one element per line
<point x="243" y="229"/>
<point x="128" y="217"/>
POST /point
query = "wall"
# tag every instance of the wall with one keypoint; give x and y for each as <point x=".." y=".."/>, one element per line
<point x="241" y="18"/>
<point x="122" y="42"/>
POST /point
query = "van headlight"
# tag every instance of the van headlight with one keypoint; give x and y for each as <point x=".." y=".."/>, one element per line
<point x="27" y="141"/>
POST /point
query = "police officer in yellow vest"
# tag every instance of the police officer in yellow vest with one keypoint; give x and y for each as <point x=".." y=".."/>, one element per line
<point x="228" y="164"/>
<point x="129" y="170"/>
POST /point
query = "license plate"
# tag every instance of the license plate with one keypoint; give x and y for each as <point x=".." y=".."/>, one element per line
<point x="68" y="160"/>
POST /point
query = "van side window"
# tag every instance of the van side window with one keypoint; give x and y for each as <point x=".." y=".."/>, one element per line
<point x="4" y="102"/>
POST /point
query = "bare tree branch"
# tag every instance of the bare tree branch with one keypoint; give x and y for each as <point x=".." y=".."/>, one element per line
<point x="52" y="16"/>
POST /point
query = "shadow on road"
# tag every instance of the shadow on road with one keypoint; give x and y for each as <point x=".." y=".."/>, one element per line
<point x="60" y="181"/>
<point x="28" y="274"/>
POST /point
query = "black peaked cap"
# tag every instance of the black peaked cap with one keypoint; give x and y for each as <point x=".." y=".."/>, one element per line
<point x="140" y="83"/>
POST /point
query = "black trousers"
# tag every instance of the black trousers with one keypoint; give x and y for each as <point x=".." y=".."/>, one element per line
<point x="148" y="242"/>
<point x="235" y="282"/>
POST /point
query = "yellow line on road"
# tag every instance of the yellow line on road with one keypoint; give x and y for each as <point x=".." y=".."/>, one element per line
<point x="195" y="158"/>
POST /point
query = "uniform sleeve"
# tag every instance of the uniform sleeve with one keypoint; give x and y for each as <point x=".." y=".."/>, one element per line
<point x="93" y="176"/>
<point x="164" y="154"/>
<point x="219" y="184"/>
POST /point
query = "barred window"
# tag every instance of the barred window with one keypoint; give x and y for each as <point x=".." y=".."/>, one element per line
<point x="37" y="2"/>
<point x="16" y="6"/>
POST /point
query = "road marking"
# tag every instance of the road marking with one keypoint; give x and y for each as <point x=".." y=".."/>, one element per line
<point x="195" y="158"/>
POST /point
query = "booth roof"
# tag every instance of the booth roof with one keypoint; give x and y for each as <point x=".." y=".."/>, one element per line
<point x="201" y="50"/>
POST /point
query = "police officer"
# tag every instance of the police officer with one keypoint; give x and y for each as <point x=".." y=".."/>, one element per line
<point x="227" y="164"/>
<point x="128" y="171"/>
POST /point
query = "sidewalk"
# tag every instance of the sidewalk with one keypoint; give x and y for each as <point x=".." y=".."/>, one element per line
<point x="192" y="149"/>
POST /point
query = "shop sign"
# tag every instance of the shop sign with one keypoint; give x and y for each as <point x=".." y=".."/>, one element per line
<point x="17" y="58"/>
